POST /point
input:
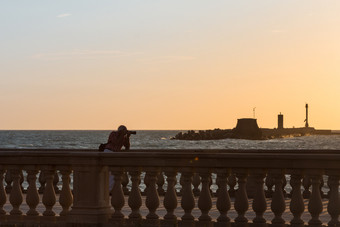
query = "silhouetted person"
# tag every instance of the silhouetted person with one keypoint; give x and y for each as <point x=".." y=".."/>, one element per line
<point x="118" y="139"/>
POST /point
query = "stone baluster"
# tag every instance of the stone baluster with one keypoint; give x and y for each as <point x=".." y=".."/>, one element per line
<point x="223" y="200"/>
<point x="188" y="200"/>
<point x="66" y="197"/>
<point x="22" y="179"/>
<point x="322" y="183"/>
<point x="315" y="203"/>
<point x="269" y="183"/>
<point x="241" y="199"/>
<point x="117" y="196"/>
<point x="232" y="184"/>
<point x="49" y="197"/>
<point x="196" y="183"/>
<point x="3" y="197"/>
<point x="204" y="200"/>
<point x="125" y="182"/>
<point x="8" y="180"/>
<point x="284" y="184"/>
<point x="32" y="197"/>
<point x="333" y="196"/>
<point x="55" y="182"/>
<point x="278" y="204"/>
<point x="306" y="182"/>
<point x="15" y="197"/>
<point x="146" y="182"/>
<point x="170" y="198"/>
<point x="250" y="186"/>
<point x="42" y="181"/>
<point x="135" y="198"/>
<point x="181" y="182"/>
<point x="160" y="183"/>
<point x="152" y="198"/>
<point x="209" y="186"/>
<point x="259" y="201"/>
<point x="297" y="205"/>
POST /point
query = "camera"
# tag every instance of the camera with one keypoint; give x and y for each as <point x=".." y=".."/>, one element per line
<point x="131" y="132"/>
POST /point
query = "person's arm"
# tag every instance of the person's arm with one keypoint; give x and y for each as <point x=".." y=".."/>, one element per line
<point x="127" y="143"/>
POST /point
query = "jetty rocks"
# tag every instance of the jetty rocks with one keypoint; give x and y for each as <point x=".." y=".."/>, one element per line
<point x="205" y="134"/>
<point x="246" y="128"/>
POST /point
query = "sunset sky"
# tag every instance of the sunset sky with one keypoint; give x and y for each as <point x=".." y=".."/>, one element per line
<point x="188" y="64"/>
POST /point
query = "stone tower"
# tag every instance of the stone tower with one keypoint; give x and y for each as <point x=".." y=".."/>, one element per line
<point x="280" y="121"/>
<point x="247" y="128"/>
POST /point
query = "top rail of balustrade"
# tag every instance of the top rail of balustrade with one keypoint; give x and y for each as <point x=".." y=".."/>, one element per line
<point x="198" y="158"/>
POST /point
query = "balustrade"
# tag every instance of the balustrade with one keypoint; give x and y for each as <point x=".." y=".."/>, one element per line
<point x="32" y="197"/>
<point x="170" y="198"/>
<point x="223" y="200"/>
<point x="315" y="206"/>
<point x="232" y="184"/>
<point x="3" y="196"/>
<point x="334" y="200"/>
<point x="278" y="204"/>
<point x="117" y="196"/>
<point x="87" y="199"/>
<point x="135" y="198"/>
<point x="15" y="196"/>
<point x="188" y="200"/>
<point x="259" y="201"/>
<point x="241" y="199"/>
<point x="297" y="206"/>
<point x="152" y="197"/>
<point x="196" y="183"/>
<point x="66" y="197"/>
<point x="204" y="201"/>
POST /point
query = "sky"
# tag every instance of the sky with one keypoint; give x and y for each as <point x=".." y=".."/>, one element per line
<point x="151" y="64"/>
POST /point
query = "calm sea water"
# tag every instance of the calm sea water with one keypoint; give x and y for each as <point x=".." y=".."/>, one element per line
<point x="153" y="139"/>
<point x="156" y="139"/>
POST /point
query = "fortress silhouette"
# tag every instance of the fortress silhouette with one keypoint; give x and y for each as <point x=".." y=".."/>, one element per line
<point x="247" y="128"/>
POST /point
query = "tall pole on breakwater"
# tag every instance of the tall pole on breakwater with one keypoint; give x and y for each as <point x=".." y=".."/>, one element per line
<point x="306" y="125"/>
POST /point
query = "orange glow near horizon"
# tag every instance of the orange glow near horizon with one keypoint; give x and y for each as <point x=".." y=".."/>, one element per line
<point x="156" y="65"/>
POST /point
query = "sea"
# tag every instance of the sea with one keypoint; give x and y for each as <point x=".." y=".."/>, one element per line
<point x="156" y="139"/>
<point x="153" y="139"/>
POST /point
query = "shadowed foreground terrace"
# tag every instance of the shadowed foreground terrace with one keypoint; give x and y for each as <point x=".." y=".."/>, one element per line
<point x="170" y="188"/>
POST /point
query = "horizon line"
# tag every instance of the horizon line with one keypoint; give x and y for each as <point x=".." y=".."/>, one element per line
<point x="139" y="129"/>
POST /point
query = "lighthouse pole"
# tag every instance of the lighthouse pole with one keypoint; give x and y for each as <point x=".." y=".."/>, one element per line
<point x="306" y="125"/>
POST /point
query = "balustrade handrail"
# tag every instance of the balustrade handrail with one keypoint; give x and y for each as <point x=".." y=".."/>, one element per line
<point x="88" y="200"/>
<point x="329" y="151"/>
<point x="294" y="159"/>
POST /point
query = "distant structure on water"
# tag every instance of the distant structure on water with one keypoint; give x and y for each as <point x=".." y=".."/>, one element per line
<point x="306" y="125"/>
<point x="247" y="128"/>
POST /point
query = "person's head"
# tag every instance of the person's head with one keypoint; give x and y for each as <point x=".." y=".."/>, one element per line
<point x="122" y="130"/>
